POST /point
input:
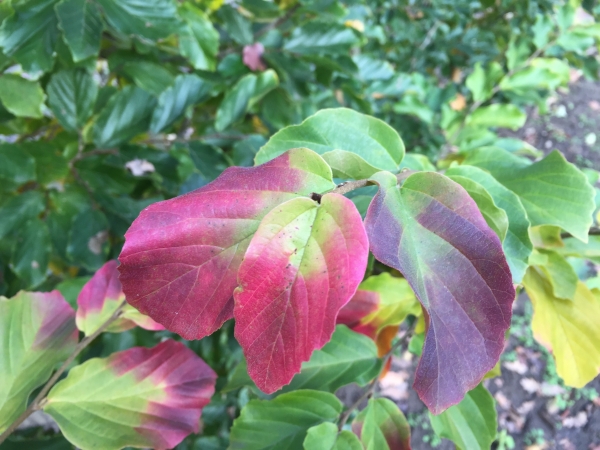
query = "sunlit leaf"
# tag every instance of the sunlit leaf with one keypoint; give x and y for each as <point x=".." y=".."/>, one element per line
<point x="302" y="266"/>
<point x="371" y="139"/>
<point x="282" y="423"/>
<point x="568" y="327"/>
<point x="37" y="331"/>
<point x="180" y="260"/>
<point x="141" y="397"/>
<point x="71" y="96"/>
<point x="471" y="424"/>
<point x="21" y="97"/>
<point x="81" y="22"/>
<point x="502" y="115"/>
<point x="326" y="436"/>
<point x="381" y="425"/>
<point x="432" y="231"/>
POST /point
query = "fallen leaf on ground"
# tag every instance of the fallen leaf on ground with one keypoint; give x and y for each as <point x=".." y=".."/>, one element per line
<point x="576" y="421"/>
<point x="516" y="366"/>
<point x="526" y="408"/>
<point x="503" y="402"/>
<point x="530" y="385"/>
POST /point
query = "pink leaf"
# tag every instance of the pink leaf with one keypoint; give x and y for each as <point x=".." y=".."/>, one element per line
<point x="253" y="56"/>
<point x="181" y="256"/>
<point x="302" y="266"/>
<point x="432" y="231"/>
<point x="99" y="299"/>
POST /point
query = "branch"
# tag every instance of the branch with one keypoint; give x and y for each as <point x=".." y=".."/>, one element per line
<point x="593" y="231"/>
<point x="40" y="399"/>
<point x="371" y="387"/>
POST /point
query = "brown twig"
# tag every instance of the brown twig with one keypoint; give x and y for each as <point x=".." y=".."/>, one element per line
<point x="40" y="399"/>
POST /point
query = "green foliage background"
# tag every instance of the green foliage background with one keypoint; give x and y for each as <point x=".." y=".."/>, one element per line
<point x="107" y="106"/>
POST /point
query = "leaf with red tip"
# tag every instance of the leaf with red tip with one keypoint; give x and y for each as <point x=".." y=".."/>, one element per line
<point x="141" y="397"/>
<point x="181" y="257"/>
<point x="382" y="426"/>
<point x="302" y="266"/>
<point x="37" y="331"/>
<point x="431" y="230"/>
<point x="100" y="298"/>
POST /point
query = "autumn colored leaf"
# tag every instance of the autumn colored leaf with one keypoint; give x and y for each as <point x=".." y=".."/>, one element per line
<point x="569" y="328"/>
<point x="181" y="257"/>
<point x="382" y="426"/>
<point x="432" y="231"/>
<point x="141" y="397"/>
<point x="302" y="266"/>
<point x="37" y="331"/>
<point x="100" y="298"/>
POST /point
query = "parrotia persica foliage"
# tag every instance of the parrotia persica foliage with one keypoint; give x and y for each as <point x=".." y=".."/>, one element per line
<point x="256" y="245"/>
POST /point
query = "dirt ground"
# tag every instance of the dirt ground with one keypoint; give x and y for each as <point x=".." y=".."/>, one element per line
<point x="535" y="410"/>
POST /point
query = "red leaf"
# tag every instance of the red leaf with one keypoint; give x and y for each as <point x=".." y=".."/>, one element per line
<point x="432" y="232"/>
<point x="304" y="263"/>
<point x="181" y="256"/>
<point x="360" y="306"/>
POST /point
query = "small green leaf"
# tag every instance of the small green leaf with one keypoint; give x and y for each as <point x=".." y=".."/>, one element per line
<point x="81" y="22"/>
<point x="31" y="253"/>
<point x="560" y="274"/>
<point x="199" y="42"/>
<point x="71" y="96"/>
<point x="373" y="140"/>
<point x="126" y="114"/>
<point x="150" y="19"/>
<point x="471" y="424"/>
<point x="382" y="426"/>
<point x="37" y="331"/>
<point x="321" y="37"/>
<point x="236" y="25"/>
<point x="20" y="209"/>
<point x="482" y="81"/>
<point x="327" y="437"/>
<point x="498" y="115"/>
<point x="495" y="217"/>
<point x="541" y="30"/>
<point x="29" y="35"/>
<point x="282" y="423"/>
<point x="187" y="90"/>
<point x="243" y="96"/>
<point x="348" y="165"/>
<point x="88" y="239"/>
<point x="21" y="97"/>
<point x="17" y="167"/>
<point x="150" y="76"/>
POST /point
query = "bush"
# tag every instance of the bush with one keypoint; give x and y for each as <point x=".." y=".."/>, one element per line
<point x="330" y="235"/>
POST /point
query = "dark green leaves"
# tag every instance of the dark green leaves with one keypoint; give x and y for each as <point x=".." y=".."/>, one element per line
<point x="282" y="423"/>
<point x="198" y="41"/>
<point x="29" y="35"/>
<point x="125" y="115"/>
<point x="31" y="253"/>
<point x="71" y="96"/>
<point x="319" y="37"/>
<point x="82" y="26"/>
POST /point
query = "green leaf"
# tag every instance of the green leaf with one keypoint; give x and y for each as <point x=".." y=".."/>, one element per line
<point x="541" y="30"/>
<point x="71" y="287"/>
<point x="37" y="331"/>
<point x="321" y="37"/>
<point x="81" y="22"/>
<point x="348" y="357"/>
<point x="126" y="114"/>
<point x="327" y="437"/>
<point x="31" y="253"/>
<point x="382" y="426"/>
<point x="199" y="41"/>
<point x="236" y="25"/>
<point x="20" y="209"/>
<point x="578" y="249"/>
<point x="150" y="19"/>
<point x="560" y="274"/>
<point x="418" y="162"/>
<point x="243" y="96"/>
<point x="17" y="167"/>
<point x="282" y="423"/>
<point x="517" y="245"/>
<point x="414" y="106"/>
<point x="481" y="82"/>
<point x="553" y="191"/>
<point x="140" y="397"/>
<point x="495" y="217"/>
<point x="29" y="35"/>
<point x="205" y="162"/>
<point x="348" y="165"/>
<point x="71" y="96"/>
<point x="542" y="73"/>
<point x="150" y="76"/>
<point x="88" y="236"/>
<point x="471" y="424"/>
<point x="187" y="90"/>
<point x="498" y="115"/>
<point x="21" y="97"/>
<point x="373" y="140"/>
